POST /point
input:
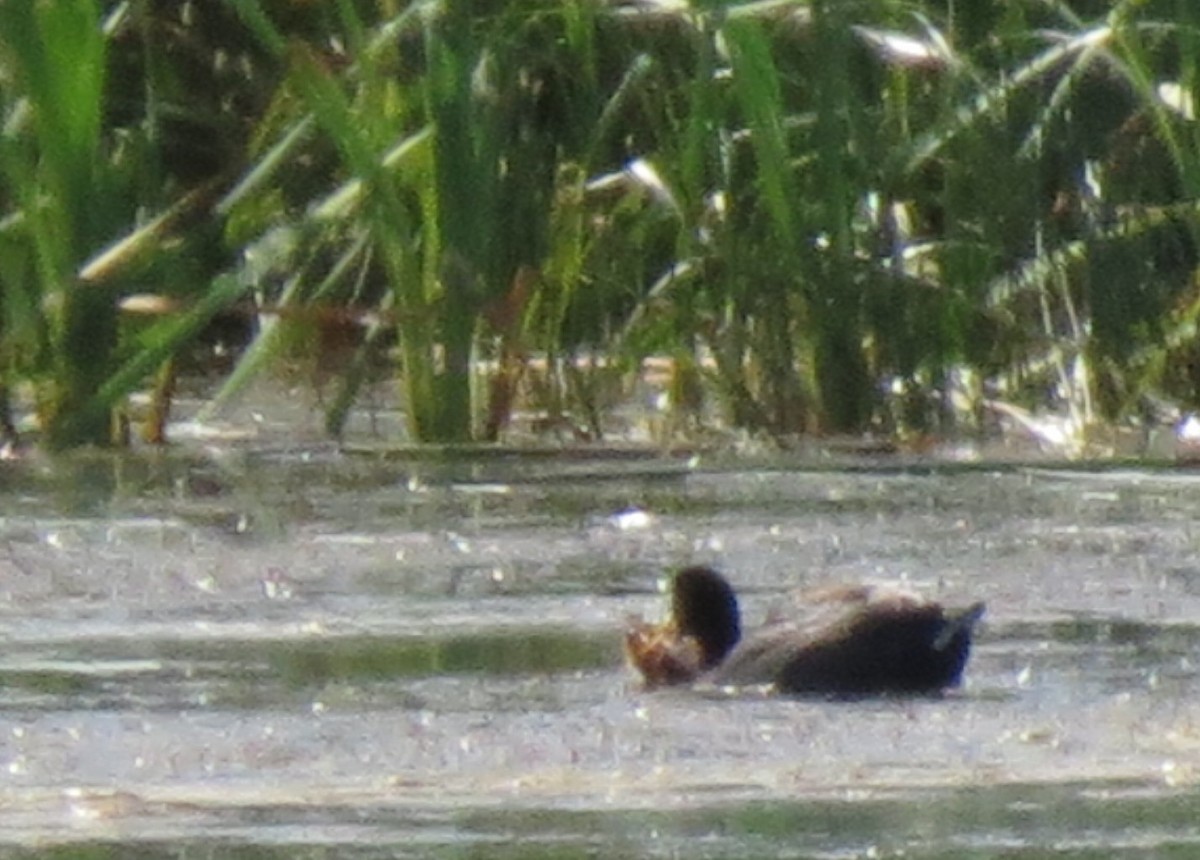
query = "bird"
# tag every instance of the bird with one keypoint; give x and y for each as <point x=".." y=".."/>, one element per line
<point x="841" y="641"/>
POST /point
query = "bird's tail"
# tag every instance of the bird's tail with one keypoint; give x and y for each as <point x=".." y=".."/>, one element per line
<point x="961" y="621"/>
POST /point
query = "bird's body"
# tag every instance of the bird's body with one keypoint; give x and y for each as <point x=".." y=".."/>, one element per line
<point x="842" y="641"/>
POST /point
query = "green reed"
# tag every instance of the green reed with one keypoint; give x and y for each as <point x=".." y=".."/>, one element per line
<point x="57" y="328"/>
<point x="834" y="218"/>
<point x="90" y="217"/>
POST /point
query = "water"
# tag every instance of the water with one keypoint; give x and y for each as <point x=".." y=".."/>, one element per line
<point x="302" y="653"/>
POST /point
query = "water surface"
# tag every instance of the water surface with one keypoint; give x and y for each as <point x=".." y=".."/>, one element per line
<point x="305" y="653"/>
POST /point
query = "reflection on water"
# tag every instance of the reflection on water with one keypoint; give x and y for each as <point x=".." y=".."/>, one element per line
<point x="304" y="654"/>
<point x="1026" y="822"/>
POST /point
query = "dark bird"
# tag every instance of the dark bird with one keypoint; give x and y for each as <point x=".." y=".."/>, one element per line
<point x="842" y="641"/>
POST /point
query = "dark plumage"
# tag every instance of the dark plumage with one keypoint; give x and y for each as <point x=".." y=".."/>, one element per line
<point x="847" y="641"/>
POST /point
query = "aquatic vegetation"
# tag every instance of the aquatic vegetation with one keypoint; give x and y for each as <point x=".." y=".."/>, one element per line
<point x="827" y="219"/>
